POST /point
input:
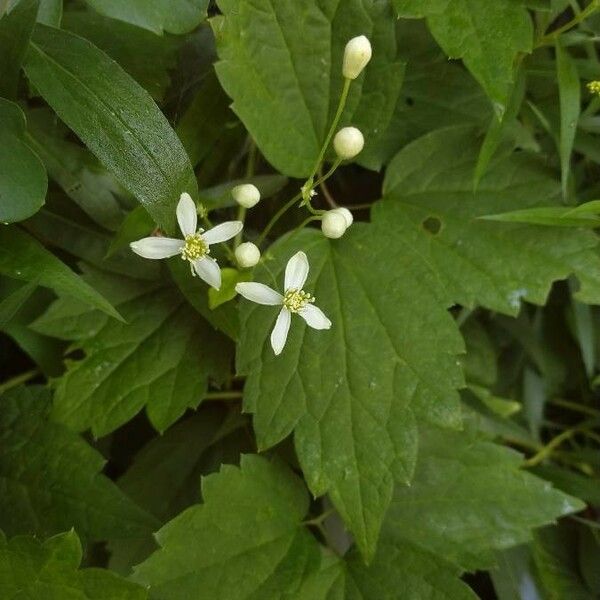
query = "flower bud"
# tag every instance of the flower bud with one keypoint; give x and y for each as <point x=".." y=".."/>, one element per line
<point x="333" y="224"/>
<point x="246" y="195"/>
<point x="247" y="255"/>
<point x="346" y="214"/>
<point x="348" y="142"/>
<point x="356" y="56"/>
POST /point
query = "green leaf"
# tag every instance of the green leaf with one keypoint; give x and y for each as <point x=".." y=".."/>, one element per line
<point x="50" y="12"/>
<point x="230" y="278"/>
<point x="160" y="359"/>
<point x="402" y="571"/>
<point x="174" y="16"/>
<point x="164" y="476"/>
<point x="23" y="180"/>
<point x="51" y="478"/>
<point x="224" y="317"/>
<point x="70" y="319"/>
<point x="15" y="31"/>
<point x="10" y="305"/>
<point x="569" y="90"/>
<point x="398" y="572"/>
<point x="389" y="356"/>
<point x="487" y="34"/>
<point x="205" y="119"/>
<point x="50" y="570"/>
<point x="246" y="541"/>
<point x="430" y="204"/>
<point x="554" y="216"/>
<point x="76" y="171"/>
<point x="469" y="498"/>
<point x="135" y="226"/>
<point x="555" y="557"/>
<point x="61" y="226"/>
<point x="145" y="56"/>
<point x="23" y="257"/>
<point x="286" y="96"/>
<point x="114" y="117"/>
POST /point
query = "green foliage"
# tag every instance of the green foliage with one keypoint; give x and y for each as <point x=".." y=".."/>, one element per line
<point x="355" y="432"/>
<point x="488" y="35"/>
<point x="51" y="478"/>
<point x="114" y="116"/>
<point x="23" y="179"/>
<point x="50" y="570"/>
<point x="148" y="361"/>
<point x="429" y="425"/>
<point x="23" y="257"/>
<point x="308" y="69"/>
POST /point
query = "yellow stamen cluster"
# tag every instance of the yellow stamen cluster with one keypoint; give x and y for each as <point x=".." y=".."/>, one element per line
<point x="195" y="248"/>
<point x="296" y="300"/>
<point x="594" y="87"/>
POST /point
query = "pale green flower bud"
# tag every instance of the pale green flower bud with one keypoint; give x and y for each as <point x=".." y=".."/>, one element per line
<point x="357" y="55"/>
<point x="333" y="224"/>
<point x="348" y="142"/>
<point x="346" y="214"/>
<point x="246" y="195"/>
<point x="247" y="255"/>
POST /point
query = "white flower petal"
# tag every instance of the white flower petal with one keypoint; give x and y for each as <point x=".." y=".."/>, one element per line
<point x="280" y="331"/>
<point x="157" y="247"/>
<point x="223" y="232"/>
<point x="187" y="216"/>
<point x="314" y="317"/>
<point x="296" y="272"/>
<point x="209" y="271"/>
<point x="259" y="293"/>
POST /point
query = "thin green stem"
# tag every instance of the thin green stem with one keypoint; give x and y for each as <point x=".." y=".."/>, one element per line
<point x="554" y="443"/>
<point x="334" y="124"/>
<point x="250" y="166"/>
<point x="318" y="520"/>
<point x="550" y="38"/>
<point x="585" y="410"/>
<point x="18" y="380"/>
<point x="291" y="202"/>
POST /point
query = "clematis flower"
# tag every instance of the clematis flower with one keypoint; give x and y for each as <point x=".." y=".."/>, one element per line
<point x="195" y="247"/>
<point x="294" y="300"/>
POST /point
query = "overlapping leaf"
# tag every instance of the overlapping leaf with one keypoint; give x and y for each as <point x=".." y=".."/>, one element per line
<point x="430" y="204"/>
<point x="23" y="257"/>
<point x="50" y="570"/>
<point x="487" y="34"/>
<point x="179" y="16"/>
<point x="247" y="542"/>
<point x="469" y="498"/>
<point x="50" y="478"/>
<point x="281" y="63"/>
<point x="15" y="29"/>
<point x="351" y="394"/>
<point x="23" y="180"/>
<point x="161" y="359"/>
<point x="115" y="118"/>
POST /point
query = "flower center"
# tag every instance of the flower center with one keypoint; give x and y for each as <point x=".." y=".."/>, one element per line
<point x="296" y="300"/>
<point x="195" y="248"/>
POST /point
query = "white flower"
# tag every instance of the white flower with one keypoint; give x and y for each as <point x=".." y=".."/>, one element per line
<point x="246" y="195"/>
<point x="357" y="54"/>
<point x="333" y="224"/>
<point x="293" y="300"/>
<point x="348" y="142"/>
<point x="247" y="254"/>
<point x="195" y="247"/>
